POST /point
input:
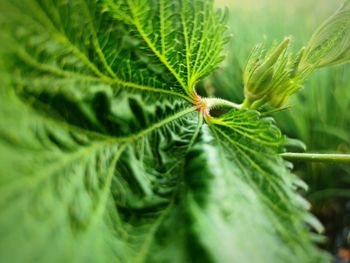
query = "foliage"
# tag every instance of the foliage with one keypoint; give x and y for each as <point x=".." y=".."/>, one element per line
<point x="109" y="155"/>
<point x="318" y="114"/>
<point x="330" y="44"/>
<point x="273" y="77"/>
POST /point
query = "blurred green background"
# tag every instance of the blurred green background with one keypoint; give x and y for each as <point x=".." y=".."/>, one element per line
<point x="319" y="115"/>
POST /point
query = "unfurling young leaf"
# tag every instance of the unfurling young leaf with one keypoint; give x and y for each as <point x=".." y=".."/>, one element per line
<point x="273" y="78"/>
<point x="104" y="153"/>
<point x="330" y="44"/>
<point x="260" y="73"/>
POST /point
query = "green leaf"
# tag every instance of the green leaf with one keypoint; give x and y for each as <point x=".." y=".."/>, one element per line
<point x="236" y="208"/>
<point x="68" y="193"/>
<point x="249" y="144"/>
<point x="154" y="46"/>
<point x="185" y="36"/>
<point x="100" y="154"/>
<point x="330" y="44"/>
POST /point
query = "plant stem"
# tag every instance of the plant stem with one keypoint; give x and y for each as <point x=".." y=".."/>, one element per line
<point x="217" y="103"/>
<point x="257" y="104"/>
<point x="246" y="103"/>
<point x="316" y="157"/>
<point x="253" y="105"/>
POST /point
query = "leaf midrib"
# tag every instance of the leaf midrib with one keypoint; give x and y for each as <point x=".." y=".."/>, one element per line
<point x="152" y="47"/>
<point x="107" y="141"/>
<point x="106" y="80"/>
<point x="61" y="38"/>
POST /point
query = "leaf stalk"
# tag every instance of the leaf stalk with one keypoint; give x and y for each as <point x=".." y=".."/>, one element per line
<point x="218" y="103"/>
<point x="316" y="157"/>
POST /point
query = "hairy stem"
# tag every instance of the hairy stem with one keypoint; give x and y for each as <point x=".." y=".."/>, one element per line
<point x="217" y="103"/>
<point x="316" y="157"/>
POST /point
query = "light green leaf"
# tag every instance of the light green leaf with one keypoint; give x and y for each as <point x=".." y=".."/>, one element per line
<point x="330" y="44"/>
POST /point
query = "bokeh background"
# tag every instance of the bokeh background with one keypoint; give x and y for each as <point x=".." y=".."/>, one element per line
<point x="319" y="115"/>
